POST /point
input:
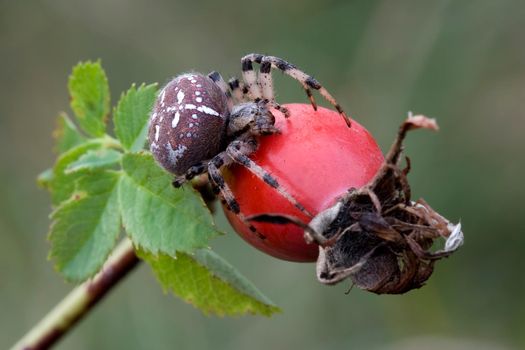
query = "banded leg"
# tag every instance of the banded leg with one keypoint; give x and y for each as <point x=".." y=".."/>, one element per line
<point x="197" y="169"/>
<point x="237" y="89"/>
<point x="219" y="81"/>
<point x="265" y="79"/>
<point x="250" y="79"/>
<point x="217" y="180"/>
<point x="280" y="108"/>
<point x="266" y="83"/>
<point x="291" y="70"/>
<point x="238" y="151"/>
<point x="265" y="75"/>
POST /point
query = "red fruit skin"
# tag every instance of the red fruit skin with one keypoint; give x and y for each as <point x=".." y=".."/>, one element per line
<point x="317" y="158"/>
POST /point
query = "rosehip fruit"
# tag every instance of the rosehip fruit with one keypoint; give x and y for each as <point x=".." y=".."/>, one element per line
<point x="317" y="158"/>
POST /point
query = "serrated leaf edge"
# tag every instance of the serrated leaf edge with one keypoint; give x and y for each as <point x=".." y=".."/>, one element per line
<point x="133" y="88"/>
<point x="107" y="103"/>
<point x="75" y="197"/>
<point x="153" y="194"/>
<point x="265" y="307"/>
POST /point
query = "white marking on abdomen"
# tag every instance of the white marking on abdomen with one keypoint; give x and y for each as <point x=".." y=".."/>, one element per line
<point x="175" y="154"/>
<point x="180" y="97"/>
<point x="175" y="120"/>
<point x="162" y="95"/>
<point x="157" y="130"/>
<point x="208" y="110"/>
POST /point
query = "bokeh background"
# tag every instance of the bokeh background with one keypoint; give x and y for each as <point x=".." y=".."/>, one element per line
<point x="462" y="62"/>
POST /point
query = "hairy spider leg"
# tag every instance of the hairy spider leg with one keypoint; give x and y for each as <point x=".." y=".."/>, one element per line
<point x="237" y="89"/>
<point x="217" y="180"/>
<point x="238" y="150"/>
<point x="265" y="76"/>
<point x="266" y="84"/>
<point x="252" y="87"/>
<point x="219" y="81"/>
<point x="194" y="170"/>
<point x="307" y="81"/>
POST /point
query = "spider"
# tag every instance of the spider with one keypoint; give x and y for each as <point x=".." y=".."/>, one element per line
<point x="200" y="124"/>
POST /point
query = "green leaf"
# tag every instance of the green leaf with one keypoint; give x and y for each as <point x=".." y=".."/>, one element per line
<point x="209" y="283"/>
<point x="132" y="114"/>
<point x="66" y="134"/>
<point x="61" y="184"/>
<point x="85" y="228"/>
<point x="89" y="91"/>
<point x="158" y="217"/>
<point x="95" y="159"/>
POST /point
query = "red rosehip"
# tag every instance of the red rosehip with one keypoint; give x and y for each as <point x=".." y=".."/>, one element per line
<point x="317" y="158"/>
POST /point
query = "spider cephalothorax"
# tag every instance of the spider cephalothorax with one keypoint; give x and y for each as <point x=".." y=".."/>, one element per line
<point x="200" y="124"/>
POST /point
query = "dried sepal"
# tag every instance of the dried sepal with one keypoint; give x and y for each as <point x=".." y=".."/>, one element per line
<point x="376" y="235"/>
<point x="387" y="240"/>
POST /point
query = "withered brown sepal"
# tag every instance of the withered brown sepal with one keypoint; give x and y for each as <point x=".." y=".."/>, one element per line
<point x="379" y="238"/>
<point x="376" y="235"/>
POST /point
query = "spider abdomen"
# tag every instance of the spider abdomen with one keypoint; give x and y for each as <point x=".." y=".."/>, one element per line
<point x="188" y="122"/>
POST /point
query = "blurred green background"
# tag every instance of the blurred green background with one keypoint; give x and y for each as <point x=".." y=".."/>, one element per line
<point x="462" y="62"/>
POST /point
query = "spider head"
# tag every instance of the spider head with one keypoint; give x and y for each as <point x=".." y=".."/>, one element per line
<point x="251" y="117"/>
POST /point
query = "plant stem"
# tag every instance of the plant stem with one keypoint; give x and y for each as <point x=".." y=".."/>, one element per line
<point x="80" y="301"/>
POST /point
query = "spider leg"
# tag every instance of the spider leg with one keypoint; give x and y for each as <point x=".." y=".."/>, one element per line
<point x="194" y="170"/>
<point x="266" y="83"/>
<point x="249" y="76"/>
<point x="217" y="180"/>
<point x="238" y="151"/>
<point x="237" y="89"/>
<point x="307" y="81"/>
<point x="240" y="90"/>
<point x="280" y="108"/>
<point x="219" y="81"/>
<point x="265" y="79"/>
